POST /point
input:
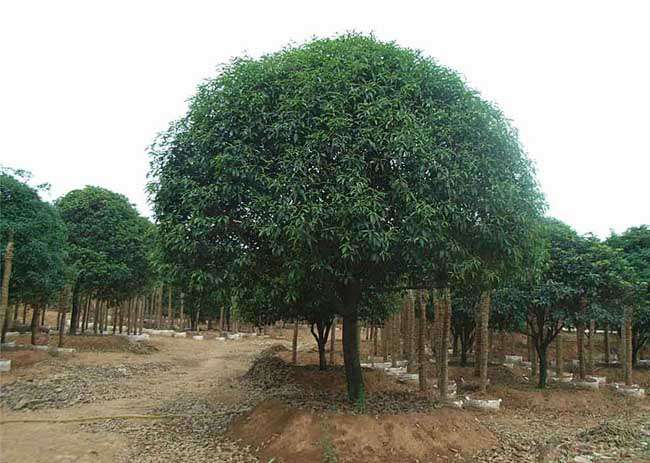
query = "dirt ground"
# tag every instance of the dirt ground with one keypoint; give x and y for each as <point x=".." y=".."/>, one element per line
<point x="182" y="400"/>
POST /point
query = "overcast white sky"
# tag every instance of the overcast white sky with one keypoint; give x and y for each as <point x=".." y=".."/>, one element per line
<point x="85" y="86"/>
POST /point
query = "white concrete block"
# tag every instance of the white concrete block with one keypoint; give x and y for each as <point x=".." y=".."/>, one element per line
<point x="5" y="366"/>
<point x="483" y="404"/>
<point x="198" y="338"/>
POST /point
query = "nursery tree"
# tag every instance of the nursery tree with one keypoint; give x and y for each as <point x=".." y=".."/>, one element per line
<point x="38" y="235"/>
<point x="108" y="245"/>
<point x="356" y="161"/>
<point x="634" y="243"/>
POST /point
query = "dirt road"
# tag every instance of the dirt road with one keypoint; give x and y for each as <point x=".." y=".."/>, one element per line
<point x="180" y="374"/>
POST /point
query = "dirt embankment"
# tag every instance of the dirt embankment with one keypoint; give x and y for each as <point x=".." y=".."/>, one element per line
<point x="293" y="435"/>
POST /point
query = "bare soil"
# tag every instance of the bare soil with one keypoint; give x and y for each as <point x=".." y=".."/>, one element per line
<point x="185" y="400"/>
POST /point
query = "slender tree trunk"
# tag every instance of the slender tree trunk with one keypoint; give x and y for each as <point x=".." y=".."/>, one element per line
<point x="411" y="366"/>
<point x="443" y="377"/>
<point x="628" y="346"/>
<point x="294" y="344"/>
<point x="532" y="354"/>
<point x="607" y="347"/>
<point x="170" y="307"/>
<point x="34" y="325"/>
<point x="559" y="356"/>
<point x="484" y="318"/>
<point x="160" y="306"/>
<point x="384" y="341"/>
<point x="115" y="320"/>
<point x="64" y="300"/>
<point x="422" y="330"/>
<point x="43" y="312"/>
<point x="590" y="353"/>
<point x="143" y="301"/>
<point x="543" y="365"/>
<point x="580" y="336"/>
<point x="182" y="320"/>
<point x="394" y="337"/>
<point x="477" y="341"/>
<point x="333" y="342"/>
<point x="221" y="320"/>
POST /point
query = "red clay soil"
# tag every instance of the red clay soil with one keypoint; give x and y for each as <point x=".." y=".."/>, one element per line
<point x="295" y="436"/>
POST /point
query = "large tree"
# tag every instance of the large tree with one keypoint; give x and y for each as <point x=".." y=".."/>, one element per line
<point x="359" y="162"/>
<point x="108" y="245"/>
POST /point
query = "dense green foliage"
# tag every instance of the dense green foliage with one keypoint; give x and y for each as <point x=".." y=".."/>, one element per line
<point x="348" y="161"/>
<point x="39" y="235"/>
<point x="108" y="242"/>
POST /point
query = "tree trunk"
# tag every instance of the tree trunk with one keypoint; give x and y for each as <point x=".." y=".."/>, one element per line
<point x="445" y="310"/>
<point x="590" y="353"/>
<point x="294" y="344"/>
<point x="333" y="342"/>
<point x="181" y="322"/>
<point x="607" y="347"/>
<point x="394" y="337"/>
<point x="384" y="341"/>
<point x="559" y="356"/>
<point x="532" y="354"/>
<point x="580" y="336"/>
<point x="350" y="296"/>
<point x="628" y="346"/>
<point x="477" y="341"/>
<point x="44" y="311"/>
<point x="170" y="307"/>
<point x="484" y="318"/>
<point x="411" y="366"/>
<point x="63" y="309"/>
<point x="6" y="275"/>
<point x="543" y="365"/>
<point x="422" y="329"/>
<point x="221" y="319"/>
<point x="34" y="324"/>
<point x="160" y="307"/>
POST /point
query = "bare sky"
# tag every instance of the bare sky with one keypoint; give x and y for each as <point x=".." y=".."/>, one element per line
<point x="85" y="86"/>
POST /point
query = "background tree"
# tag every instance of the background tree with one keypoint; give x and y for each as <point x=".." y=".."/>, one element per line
<point x="108" y="246"/>
<point x="38" y="234"/>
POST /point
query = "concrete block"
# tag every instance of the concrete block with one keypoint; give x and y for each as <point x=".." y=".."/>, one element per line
<point x="5" y="366"/>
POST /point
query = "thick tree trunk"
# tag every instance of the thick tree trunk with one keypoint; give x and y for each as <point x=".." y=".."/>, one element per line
<point x="6" y="276"/>
<point x="484" y="319"/>
<point x="294" y="344"/>
<point x="580" y="336"/>
<point x="607" y="347"/>
<point x="350" y="296"/>
<point x="422" y="329"/>
<point x="351" y="360"/>
<point x="559" y="356"/>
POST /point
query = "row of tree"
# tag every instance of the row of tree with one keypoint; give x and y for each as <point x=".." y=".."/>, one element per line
<point x="89" y="253"/>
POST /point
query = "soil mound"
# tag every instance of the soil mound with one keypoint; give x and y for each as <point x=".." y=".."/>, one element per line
<point x="292" y="435"/>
